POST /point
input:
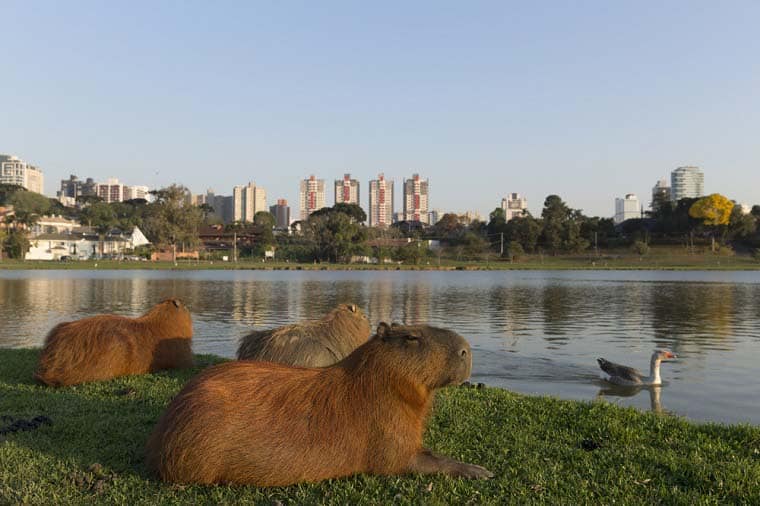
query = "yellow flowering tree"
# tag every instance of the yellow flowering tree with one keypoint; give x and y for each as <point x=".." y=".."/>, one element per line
<point x="714" y="211"/>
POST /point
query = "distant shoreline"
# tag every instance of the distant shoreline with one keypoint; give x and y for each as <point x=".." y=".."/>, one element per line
<point x="680" y="263"/>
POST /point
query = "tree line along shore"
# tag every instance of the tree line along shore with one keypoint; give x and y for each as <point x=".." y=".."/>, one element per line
<point x="85" y="444"/>
<point x="712" y="227"/>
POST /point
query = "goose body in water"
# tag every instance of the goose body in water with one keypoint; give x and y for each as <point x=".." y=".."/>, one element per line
<point x="628" y="376"/>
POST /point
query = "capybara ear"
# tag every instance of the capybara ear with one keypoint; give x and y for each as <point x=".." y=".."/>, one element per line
<point x="175" y="302"/>
<point x="352" y="307"/>
<point x="383" y="330"/>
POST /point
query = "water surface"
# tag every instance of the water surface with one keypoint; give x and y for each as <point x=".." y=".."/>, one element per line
<point x="531" y="331"/>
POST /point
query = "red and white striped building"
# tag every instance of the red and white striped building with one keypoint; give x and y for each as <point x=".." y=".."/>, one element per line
<point x="380" y="202"/>
<point x="312" y="196"/>
<point x="347" y="190"/>
<point x="416" y="199"/>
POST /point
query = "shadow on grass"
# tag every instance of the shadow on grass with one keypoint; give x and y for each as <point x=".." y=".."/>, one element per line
<point x="103" y="422"/>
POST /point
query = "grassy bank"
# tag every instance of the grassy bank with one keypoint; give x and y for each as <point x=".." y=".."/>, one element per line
<point x="662" y="258"/>
<point x="542" y="450"/>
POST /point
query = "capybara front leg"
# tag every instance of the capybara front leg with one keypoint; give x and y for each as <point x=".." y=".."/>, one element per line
<point x="427" y="462"/>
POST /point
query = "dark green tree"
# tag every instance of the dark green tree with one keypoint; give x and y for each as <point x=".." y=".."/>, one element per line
<point x="102" y="218"/>
<point x="171" y="220"/>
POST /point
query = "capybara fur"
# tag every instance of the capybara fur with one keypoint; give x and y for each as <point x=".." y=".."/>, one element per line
<point x="269" y="424"/>
<point x="106" y="346"/>
<point x="316" y="343"/>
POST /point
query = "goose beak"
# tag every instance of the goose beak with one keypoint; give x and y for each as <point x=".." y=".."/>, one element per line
<point x="670" y="355"/>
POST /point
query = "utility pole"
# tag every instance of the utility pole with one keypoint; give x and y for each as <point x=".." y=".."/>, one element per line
<point x="234" y="247"/>
<point x="501" y="248"/>
<point x="596" y="244"/>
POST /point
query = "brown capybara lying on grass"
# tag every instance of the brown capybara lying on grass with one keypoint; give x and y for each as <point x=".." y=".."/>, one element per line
<point x="269" y="424"/>
<point x="107" y="346"/>
<point x="316" y="343"/>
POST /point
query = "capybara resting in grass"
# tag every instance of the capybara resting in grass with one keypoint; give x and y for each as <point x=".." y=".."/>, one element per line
<point x="316" y="343"/>
<point x="269" y="424"/>
<point x="107" y="346"/>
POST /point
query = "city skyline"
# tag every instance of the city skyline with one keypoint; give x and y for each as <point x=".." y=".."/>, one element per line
<point x="560" y="99"/>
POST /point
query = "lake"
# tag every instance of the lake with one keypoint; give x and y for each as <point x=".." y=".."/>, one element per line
<point x="535" y="332"/>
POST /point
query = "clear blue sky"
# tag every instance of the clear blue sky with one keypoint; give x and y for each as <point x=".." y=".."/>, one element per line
<point x="588" y="100"/>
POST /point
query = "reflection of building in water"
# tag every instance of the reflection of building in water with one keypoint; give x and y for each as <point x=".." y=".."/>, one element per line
<point x="253" y="301"/>
<point x="380" y="304"/>
<point x="415" y="303"/>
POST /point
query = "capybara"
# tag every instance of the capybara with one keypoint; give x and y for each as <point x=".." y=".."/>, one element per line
<point x="106" y="346"/>
<point x="316" y="343"/>
<point x="269" y="424"/>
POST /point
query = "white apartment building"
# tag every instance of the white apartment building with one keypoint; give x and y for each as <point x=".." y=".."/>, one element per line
<point x="13" y="170"/>
<point x="247" y="201"/>
<point x="627" y="208"/>
<point x="416" y="199"/>
<point x="114" y="191"/>
<point x="347" y="190"/>
<point x="311" y="195"/>
<point x="686" y="182"/>
<point x="514" y="205"/>
<point x="136" y="192"/>
<point x="380" y="202"/>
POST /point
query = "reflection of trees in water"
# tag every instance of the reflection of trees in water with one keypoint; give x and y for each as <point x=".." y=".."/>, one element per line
<point x="692" y="315"/>
<point x="556" y="303"/>
<point x="511" y="311"/>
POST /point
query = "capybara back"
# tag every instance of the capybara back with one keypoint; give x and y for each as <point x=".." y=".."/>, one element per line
<point x="108" y="346"/>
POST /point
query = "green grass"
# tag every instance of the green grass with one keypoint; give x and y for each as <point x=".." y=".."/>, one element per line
<point x="93" y="451"/>
<point x="659" y="258"/>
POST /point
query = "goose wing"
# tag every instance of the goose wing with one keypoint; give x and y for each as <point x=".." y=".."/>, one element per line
<point x="621" y="371"/>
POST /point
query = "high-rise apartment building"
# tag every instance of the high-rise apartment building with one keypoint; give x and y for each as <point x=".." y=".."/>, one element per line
<point x="312" y="195"/>
<point x="380" y="202"/>
<point x="347" y="190"/>
<point x="627" y="208"/>
<point x="416" y="199"/>
<point x="514" y="205"/>
<point x="686" y="182"/>
<point x="660" y="194"/>
<point x="247" y="201"/>
<point x="281" y="213"/>
<point x="16" y="171"/>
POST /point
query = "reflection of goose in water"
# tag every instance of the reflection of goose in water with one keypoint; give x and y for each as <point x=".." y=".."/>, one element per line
<point x="655" y="404"/>
<point x="628" y="376"/>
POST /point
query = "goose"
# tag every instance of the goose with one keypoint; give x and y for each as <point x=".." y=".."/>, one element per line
<point x="628" y="376"/>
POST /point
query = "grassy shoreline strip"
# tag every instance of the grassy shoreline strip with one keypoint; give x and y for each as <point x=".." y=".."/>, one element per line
<point x="684" y="263"/>
<point x="542" y="450"/>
